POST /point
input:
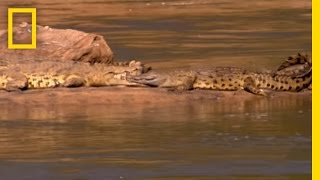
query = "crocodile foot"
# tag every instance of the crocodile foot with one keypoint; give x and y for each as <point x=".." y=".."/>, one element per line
<point x="250" y="86"/>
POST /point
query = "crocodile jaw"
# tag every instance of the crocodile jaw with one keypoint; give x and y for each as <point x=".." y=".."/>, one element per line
<point x="150" y="79"/>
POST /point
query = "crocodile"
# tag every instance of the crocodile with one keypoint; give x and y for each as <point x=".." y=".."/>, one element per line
<point x="17" y="75"/>
<point x="294" y="65"/>
<point x="292" y="75"/>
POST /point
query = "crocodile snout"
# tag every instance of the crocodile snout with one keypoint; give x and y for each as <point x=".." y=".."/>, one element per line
<point x="148" y="79"/>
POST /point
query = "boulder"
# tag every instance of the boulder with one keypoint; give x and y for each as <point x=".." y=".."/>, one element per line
<point x="56" y="44"/>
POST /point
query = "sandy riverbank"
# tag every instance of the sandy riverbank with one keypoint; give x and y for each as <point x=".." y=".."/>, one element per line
<point x="119" y="95"/>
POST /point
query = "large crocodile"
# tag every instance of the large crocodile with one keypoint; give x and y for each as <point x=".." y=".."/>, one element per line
<point x="293" y="75"/>
<point x="16" y="75"/>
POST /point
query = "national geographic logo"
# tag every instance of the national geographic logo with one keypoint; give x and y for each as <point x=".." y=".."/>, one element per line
<point x="33" y="12"/>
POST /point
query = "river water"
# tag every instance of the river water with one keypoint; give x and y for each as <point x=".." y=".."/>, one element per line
<point x="253" y="139"/>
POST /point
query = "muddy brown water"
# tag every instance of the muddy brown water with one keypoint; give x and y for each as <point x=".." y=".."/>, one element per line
<point x="253" y="139"/>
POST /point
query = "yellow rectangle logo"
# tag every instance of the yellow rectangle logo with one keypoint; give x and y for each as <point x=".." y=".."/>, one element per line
<point x="33" y="12"/>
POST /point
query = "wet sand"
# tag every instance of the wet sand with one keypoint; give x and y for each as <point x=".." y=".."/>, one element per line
<point x="135" y="95"/>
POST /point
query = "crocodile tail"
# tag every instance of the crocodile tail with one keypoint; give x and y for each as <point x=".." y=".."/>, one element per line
<point x="126" y="63"/>
<point x="133" y="63"/>
<point x="299" y="59"/>
<point x="306" y="80"/>
<point x="295" y="66"/>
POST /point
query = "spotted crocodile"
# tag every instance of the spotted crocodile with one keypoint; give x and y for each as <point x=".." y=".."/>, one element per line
<point x="293" y="75"/>
<point x="17" y="75"/>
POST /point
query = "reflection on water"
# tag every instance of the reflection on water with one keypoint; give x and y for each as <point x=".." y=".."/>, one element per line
<point x="264" y="138"/>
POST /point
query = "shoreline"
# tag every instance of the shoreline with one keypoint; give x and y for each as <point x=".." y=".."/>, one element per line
<point x="130" y="95"/>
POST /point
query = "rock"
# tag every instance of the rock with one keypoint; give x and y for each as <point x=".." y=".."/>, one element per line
<point x="56" y="44"/>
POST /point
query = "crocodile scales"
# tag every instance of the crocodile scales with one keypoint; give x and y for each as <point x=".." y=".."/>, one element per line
<point x="293" y="75"/>
<point x="16" y="75"/>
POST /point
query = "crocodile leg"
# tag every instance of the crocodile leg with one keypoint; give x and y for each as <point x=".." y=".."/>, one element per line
<point x="250" y="86"/>
<point x="74" y="81"/>
<point x="185" y="83"/>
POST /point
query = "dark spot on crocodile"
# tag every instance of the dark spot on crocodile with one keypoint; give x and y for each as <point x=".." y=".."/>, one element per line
<point x="281" y="87"/>
<point x="223" y="85"/>
<point x="210" y="76"/>
<point x="230" y="85"/>
<point x="297" y="81"/>
<point x="3" y="84"/>
<point x="230" y="79"/>
<point x="272" y="86"/>
<point x="215" y="81"/>
<point x="264" y="81"/>
<point x="260" y="78"/>
<point x="47" y="84"/>
<point x="207" y="83"/>
<point x="222" y="80"/>
<point x="290" y="87"/>
<point x="286" y="82"/>
<point x="298" y="88"/>
<point x="259" y="85"/>
<point x="268" y="85"/>
<point x="34" y="79"/>
<point x="276" y="88"/>
<point x="281" y="81"/>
